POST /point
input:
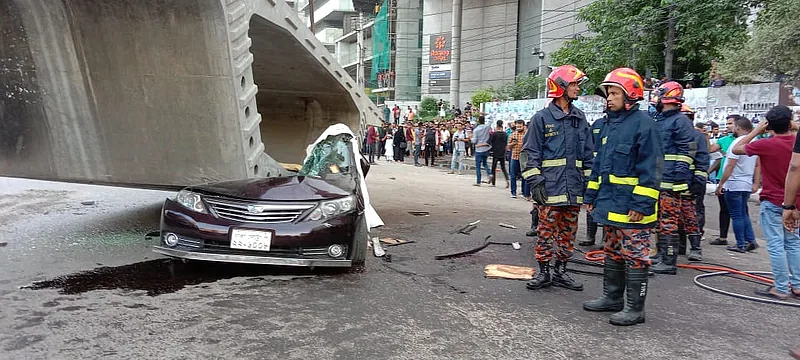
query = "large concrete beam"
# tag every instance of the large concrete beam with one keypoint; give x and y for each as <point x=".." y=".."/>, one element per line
<point x="161" y="92"/>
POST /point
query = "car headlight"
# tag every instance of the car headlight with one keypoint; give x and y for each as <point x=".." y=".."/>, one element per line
<point x="333" y="208"/>
<point x="190" y="200"/>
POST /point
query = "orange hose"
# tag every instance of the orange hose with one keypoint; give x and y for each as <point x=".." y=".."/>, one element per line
<point x="599" y="256"/>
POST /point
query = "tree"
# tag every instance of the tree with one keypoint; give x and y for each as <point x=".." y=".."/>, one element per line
<point x="633" y="33"/>
<point x="482" y="96"/>
<point x="772" y="53"/>
<point x="524" y="87"/>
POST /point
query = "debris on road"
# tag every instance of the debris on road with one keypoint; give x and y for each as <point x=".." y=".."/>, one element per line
<point x="516" y="245"/>
<point x="395" y="242"/>
<point x="79" y="213"/>
<point x="486" y="243"/>
<point x="466" y="229"/>
<point x="3" y="244"/>
<point x="512" y="272"/>
<point x="392" y="178"/>
<point x="88" y="203"/>
<point x="509" y="226"/>
<point x="377" y="249"/>
<point x="420" y="213"/>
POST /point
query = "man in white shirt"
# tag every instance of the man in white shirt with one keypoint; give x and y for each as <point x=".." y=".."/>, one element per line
<point x="444" y="136"/>
<point x="740" y="178"/>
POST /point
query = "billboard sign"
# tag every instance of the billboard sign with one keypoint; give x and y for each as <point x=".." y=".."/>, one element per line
<point x="440" y="49"/>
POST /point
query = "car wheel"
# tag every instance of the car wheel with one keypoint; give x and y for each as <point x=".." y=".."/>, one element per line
<point x="358" y="252"/>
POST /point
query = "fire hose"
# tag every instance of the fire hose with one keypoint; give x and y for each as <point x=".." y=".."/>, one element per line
<point x="597" y="256"/>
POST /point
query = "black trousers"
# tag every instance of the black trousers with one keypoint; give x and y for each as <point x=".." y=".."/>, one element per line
<point x="700" y="209"/>
<point x="724" y="217"/>
<point x="430" y="152"/>
<point x="502" y="161"/>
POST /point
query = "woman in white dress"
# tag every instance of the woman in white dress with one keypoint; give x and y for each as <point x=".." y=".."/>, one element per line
<point x="389" y="145"/>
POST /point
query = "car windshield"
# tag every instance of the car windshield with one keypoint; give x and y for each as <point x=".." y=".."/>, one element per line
<point x="331" y="156"/>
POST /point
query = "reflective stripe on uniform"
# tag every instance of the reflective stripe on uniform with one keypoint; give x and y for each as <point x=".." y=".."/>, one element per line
<point x="594" y="153"/>
<point x="557" y="199"/>
<point x="623" y="180"/>
<point x="604" y="140"/>
<point x="554" y="162"/>
<point x="593" y="185"/>
<point x="579" y="163"/>
<point x="646" y="191"/>
<point x="675" y="157"/>
<point x="587" y="172"/>
<point x="702" y="174"/>
<point x="623" y="218"/>
<point x="531" y="172"/>
<point x="595" y="131"/>
<point x="579" y="199"/>
<point x="674" y="187"/>
<point x="691" y="167"/>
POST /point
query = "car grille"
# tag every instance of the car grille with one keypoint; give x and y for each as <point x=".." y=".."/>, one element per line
<point x="217" y="247"/>
<point x="256" y="212"/>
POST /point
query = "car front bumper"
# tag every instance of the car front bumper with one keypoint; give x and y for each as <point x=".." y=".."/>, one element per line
<point x="248" y="259"/>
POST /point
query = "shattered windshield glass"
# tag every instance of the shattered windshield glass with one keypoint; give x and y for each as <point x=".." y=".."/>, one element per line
<point x="331" y="156"/>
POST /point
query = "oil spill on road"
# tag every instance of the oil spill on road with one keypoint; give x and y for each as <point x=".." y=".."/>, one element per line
<point x="163" y="276"/>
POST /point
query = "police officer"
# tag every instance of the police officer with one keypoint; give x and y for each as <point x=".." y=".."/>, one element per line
<point x="622" y="194"/>
<point x="689" y="226"/>
<point x="558" y="147"/>
<point x="591" y="225"/>
<point x="677" y="139"/>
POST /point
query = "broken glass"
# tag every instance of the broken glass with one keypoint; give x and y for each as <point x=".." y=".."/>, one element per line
<point x="332" y="156"/>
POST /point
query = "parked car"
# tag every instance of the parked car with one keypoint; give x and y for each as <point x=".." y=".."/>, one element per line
<point x="314" y="218"/>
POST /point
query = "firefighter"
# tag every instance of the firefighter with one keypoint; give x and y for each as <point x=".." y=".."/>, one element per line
<point x="677" y="139"/>
<point x="622" y="195"/>
<point x="591" y="225"/>
<point x="558" y="148"/>
<point x="697" y="190"/>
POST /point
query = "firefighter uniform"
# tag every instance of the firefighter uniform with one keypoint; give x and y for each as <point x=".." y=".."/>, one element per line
<point x="689" y="218"/>
<point x="559" y="147"/>
<point x="591" y="225"/>
<point x="677" y="138"/>
<point x="625" y="179"/>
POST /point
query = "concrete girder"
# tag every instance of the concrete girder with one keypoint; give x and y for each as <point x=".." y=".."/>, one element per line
<point x="164" y="93"/>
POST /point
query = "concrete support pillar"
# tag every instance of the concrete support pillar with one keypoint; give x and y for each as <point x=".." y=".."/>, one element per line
<point x="455" y="59"/>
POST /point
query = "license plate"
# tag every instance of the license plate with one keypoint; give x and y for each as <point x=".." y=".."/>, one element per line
<point x="250" y="239"/>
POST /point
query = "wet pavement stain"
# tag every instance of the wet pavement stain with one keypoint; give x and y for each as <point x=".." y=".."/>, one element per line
<point x="163" y="276"/>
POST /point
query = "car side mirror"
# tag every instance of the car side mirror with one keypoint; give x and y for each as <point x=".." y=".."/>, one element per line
<point x="364" y="165"/>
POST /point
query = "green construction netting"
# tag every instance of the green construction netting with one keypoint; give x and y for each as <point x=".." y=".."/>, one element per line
<point x="380" y="42"/>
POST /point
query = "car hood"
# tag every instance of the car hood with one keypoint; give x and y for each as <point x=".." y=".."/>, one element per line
<point x="290" y="188"/>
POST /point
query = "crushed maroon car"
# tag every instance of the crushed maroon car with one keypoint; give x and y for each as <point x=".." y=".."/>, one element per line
<point x="315" y="218"/>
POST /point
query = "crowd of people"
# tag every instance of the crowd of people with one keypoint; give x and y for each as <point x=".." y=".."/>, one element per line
<point x="636" y="172"/>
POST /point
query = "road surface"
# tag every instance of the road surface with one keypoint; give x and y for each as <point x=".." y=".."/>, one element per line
<point x="104" y="294"/>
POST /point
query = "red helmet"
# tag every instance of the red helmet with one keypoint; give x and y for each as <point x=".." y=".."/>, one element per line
<point x="561" y="77"/>
<point x="668" y="93"/>
<point x="626" y="79"/>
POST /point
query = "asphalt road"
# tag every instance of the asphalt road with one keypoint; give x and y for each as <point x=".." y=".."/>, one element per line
<point x="104" y="294"/>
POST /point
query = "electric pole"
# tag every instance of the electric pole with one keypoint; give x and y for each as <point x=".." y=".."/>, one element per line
<point x="311" y="16"/>
<point x="670" y="43"/>
<point x="360" y="42"/>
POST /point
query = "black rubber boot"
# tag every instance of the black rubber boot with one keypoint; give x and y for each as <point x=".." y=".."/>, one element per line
<point x="562" y="279"/>
<point x="613" y="289"/>
<point x="660" y="250"/>
<point x="591" y="232"/>
<point x="542" y="279"/>
<point x="669" y="258"/>
<point x="534" y="224"/>
<point x="633" y="313"/>
<point x="695" y="253"/>
<point x="681" y="243"/>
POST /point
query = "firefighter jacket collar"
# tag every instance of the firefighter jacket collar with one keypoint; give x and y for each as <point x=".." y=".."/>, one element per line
<point x="559" y="114"/>
<point x="618" y="116"/>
